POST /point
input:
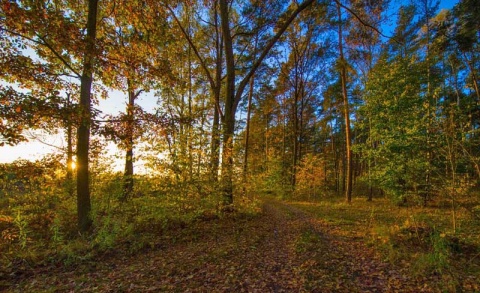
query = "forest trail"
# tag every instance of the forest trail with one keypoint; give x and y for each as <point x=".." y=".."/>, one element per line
<point x="284" y="249"/>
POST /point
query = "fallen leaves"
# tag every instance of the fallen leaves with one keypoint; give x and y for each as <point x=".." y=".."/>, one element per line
<point x="284" y="249"/>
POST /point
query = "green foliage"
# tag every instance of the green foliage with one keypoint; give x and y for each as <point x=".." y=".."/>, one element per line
<point x="397" y="128"/>
<point x="273" y="181"/>
<point x="110" y="231"/>
<point x="438" y="258"/>
<point x="57" y="234"/>
<point x="22" y="225"/>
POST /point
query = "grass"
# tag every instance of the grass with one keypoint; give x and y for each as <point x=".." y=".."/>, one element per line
<point x="420" y="239"/>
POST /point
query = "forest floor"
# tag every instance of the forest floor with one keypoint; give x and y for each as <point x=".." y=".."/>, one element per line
<point x="285" y="248"/>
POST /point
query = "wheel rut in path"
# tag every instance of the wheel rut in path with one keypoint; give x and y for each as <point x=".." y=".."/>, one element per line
<point x="343" y="262"/>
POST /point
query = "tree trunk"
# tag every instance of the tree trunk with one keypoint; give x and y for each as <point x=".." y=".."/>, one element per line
<point x="190" y="118"/>
<point x="426" y="192"/>
<point x="227" y="158"/>
<point x="68" y="121"/>
<point x="69" y="159"/>
<point x="295" y="141"/>
<point x="128" y="174"/>
<point x="346" y="112"/>
<point x="335" y="162"/>
<point x="247" y="131"/>
<point x="83" y="132"/>
<point x="215" y="144"/>
<point x="229" y="120"/>
<point x="474" y="76"/>
<point x="216" y="88"/>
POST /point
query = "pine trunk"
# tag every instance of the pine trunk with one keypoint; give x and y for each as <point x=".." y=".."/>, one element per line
<point x="346" y="113"/>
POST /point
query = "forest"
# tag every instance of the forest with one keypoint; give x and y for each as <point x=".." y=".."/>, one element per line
<point x="293" y="146"/>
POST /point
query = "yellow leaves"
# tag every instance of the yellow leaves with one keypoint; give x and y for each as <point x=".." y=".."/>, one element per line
<point x="18" y="109"/>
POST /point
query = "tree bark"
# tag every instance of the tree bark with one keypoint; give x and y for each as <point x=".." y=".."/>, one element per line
<point x="216" y="88"/>
<point x="128" y="174"/>
<point x="229" y="120"/>
<point x="247" y="128"/>
<point x="215" y="144"/>
<point x="68" y="122"/>
<point x="83" y="132"/>
<point x="346" y="112"/>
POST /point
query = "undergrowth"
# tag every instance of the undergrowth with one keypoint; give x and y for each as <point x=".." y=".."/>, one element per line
<point x="38" y="228"/>
<point x="418" y="239"/>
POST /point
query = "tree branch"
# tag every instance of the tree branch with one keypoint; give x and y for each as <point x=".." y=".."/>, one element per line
<point x="267" y="49"/>
<point x="43" y="43"/>
<point x="365" y="23"/>
<point x="194" y="48"/>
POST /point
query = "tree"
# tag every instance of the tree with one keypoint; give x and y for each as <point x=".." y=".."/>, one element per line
<point x="233" y="92"/>
<point x="131" y="40"/>
<point x="83" y="131"/>
<point x="298" y="81"/>
<point x="396" y="84"/>
<point x="346" y="110"/>
<point x="468" y="27"/>
<point x="212" y="66"/>
<point x="56" y="38"/>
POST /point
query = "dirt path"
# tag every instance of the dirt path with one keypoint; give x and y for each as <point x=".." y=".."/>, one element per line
<point x="285" y="249"/>
<point x="341" y="261"/>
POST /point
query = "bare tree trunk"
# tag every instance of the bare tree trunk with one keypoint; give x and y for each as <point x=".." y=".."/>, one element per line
<point x="229" y="119"/>
<point x="335" y="162"/>
<point x="215" y="145"/>
<point x="295" y="142"/>
<point x="83" y="132"/>
<point x="128" y="174"/>
<point x="247" y="128"/>
<point x="426" y="195"/>
<point x="68" y="121"/>
<point x="190" y="97"/>
<point x="346" y="112"/>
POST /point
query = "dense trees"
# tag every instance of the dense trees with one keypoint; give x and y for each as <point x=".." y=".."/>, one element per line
<point x="278" y="96"/>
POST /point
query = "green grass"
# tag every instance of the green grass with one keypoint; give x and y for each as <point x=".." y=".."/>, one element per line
<point x="420" y="238"/>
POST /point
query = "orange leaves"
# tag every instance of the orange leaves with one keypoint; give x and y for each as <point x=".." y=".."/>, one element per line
<point x="5" y="219"/>
<point x="9" y="233"/>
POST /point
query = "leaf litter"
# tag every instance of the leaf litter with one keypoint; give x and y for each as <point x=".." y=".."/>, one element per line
<point x="283" y="249"/>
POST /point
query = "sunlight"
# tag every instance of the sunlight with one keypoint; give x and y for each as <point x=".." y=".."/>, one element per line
<point x="73" y="165"/>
